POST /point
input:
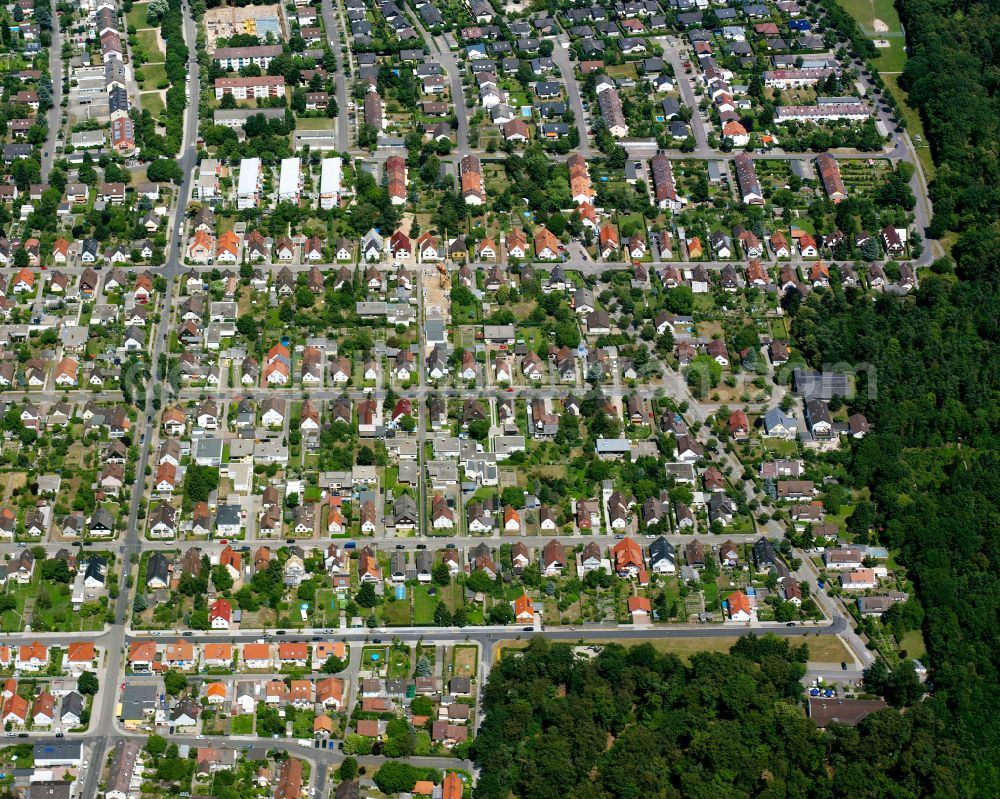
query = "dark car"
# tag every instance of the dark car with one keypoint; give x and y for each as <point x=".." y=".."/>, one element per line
<point x="400" y="546"/>
<point x="843" y="665"/>
<point x="421" y="546"/>
<point x="279" y="632"/>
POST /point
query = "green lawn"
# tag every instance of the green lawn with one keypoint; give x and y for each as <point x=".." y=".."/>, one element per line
<point x="622" y="71"/>
<point x="867" y="11"/>
<point x="369" y="651"/>
<point x="152" y="102"/>
<point x="453" y="596"/>
<point x="914" y="125"/>
<point x="399" y="662"/>
<point x="150" y="44"/>
<point x="12" y="620"/>
<point x="54" y="612"/>
<point x="913" y="644"/>
<point x="465" y="658"/>
<point x="325" y="610"/>
<point x="242" y="724"/>
<point x="314" y="123"/>
<point x="153" y="75"/>
<point x="423" y="605"/>
<point x="892" y="59"/>
<point x="137" y="16"/>
<point x="397" y="612"/>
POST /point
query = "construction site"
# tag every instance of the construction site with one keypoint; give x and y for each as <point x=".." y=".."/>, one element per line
<point x="260" y="21"/>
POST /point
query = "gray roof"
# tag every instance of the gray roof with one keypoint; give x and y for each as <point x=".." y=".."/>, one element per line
<point x="661" y="549"/>
<point x="227" y="515"/>
<point x="123" y="766"/>
<point x="775" y="417"/>
<point x="71" y="703"/>
<point x="57" y="751"/>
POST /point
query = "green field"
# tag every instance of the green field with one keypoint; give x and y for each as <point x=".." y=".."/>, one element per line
<point x="152" y="102"/>
<point x="150" y="44"/>
<point x="423" y="605"/>
<point x="242" y="724"/>
<point x="153" y="75"/>
<point x="914" y="125"/>
<point x="867" y="11"/>
<point x="913" y="644"/>
<point x="466" y="658"/>
<point x="315" y="123"/>
<point x="137" y="16"/>
<point x="822" y="648"/>
<point x="892" y="59"/>
<point x="453" y="595"/>
<point x="399" y="662"/>
<point x="397" y="612"/>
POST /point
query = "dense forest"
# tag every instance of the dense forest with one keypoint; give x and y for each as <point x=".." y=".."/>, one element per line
<point x="636" y="724"/>
<point x="930" y="382"/>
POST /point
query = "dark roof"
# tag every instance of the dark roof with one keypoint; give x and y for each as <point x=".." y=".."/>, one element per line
<point x="661" y="549"/>
<point x="763" y="553"/>
<point x="850" y="712"/>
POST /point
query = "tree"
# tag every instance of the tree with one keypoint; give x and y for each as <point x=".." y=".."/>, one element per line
<point x="164" y="170"/>
<point x="366" y="596"/>
<point x="679" y="300"/>
<point x="901" y="687"/>
<point x="396" y="777"/>
<point x="422" y="706"/>
<point x="703" y="374"/>
<point x="198" y="620"/>
<point x="400" y="738"/>
<point x="174" y="682"/>
<point x="480" y="582"/>
<point x="479" y="429"/>
<point x="88" y="684"/>
<point x="441" y="575"/>
<point x="348" y="768"/>
<point x="246" y="326"/>
<point x="333" y="665"/>
<point x="156" y="745"/>
<point x="442" y="618"/>
<point x="501" y="613"/>
<point x="199" y="482"/>
<point x="358" y="745"/>
<point x="422" y="668"/>
<point x="862" y="519"/>
<point x="221" y="578"/>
